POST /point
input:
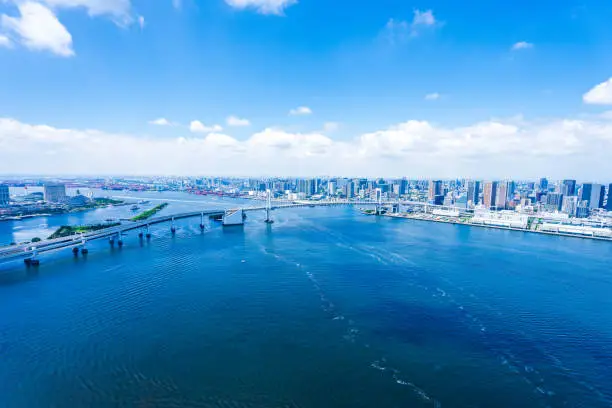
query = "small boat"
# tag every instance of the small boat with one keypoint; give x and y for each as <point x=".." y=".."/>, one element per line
<point x="144" y="202"/>
<point x="135" y="208"/>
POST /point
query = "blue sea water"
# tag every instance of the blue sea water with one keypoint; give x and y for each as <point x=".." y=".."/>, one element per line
<point x="324" y="308"/>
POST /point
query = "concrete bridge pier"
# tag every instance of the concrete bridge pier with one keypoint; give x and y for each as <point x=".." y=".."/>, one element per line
<point x="202" y="221"/>
<point x="119" y="239"/>
<point x="268" y="219"/>
<point x="147" y="232"/>
<point x="173" y="227"/>
<point x="84" y="250"/>
<point x="32" y="260"/>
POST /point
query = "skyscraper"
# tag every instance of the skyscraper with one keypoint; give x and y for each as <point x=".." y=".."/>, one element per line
<point x="543" y="184"/>
<point x="490" y="194"/>
<point x="570" y="205"/>
<point x="554" y="201"/>
<point x="349" y="189"/>
<point x="569" y="188"/>
<point x="609" y="204"/>
<point x="593" y="195"/>
<point x="403" y="187"/>
<point x="502" y="195"/>
<point x="4" y="194"/>
<point x="435" y="189"/>
<point x="473" y="191"/>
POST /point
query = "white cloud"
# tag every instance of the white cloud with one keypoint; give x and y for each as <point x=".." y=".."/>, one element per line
<point x="262" y="6"/>
<point x="161" y="122"/>
<point x="198" y="127"/>
<point x="397" y="31"/>
<point x="177" y="4"/>
<point x="141" y="22"/>
<point x="432" y="96"/>
<point x="496" y="148"/>
<point x="38" y="28"/>
<point x="118" y="10"/>
<point x="5" y="42"/>
<point x="423" y="18"/>
<point x="236" y="121"/>
<point x="521" y="45"/>
<point x="331" y="126"/>
<point x="600" y="94"/>
<point x="302" y="110"/>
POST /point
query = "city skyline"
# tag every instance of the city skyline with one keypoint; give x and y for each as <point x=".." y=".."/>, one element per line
<point x="245" y="87"/>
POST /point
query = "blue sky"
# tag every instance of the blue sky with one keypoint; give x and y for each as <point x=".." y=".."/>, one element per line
<point x="386" y="83"/>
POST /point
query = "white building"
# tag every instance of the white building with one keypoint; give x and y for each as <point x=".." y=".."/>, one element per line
<point x="55" y="193"/>
<point x="509" y="219"/>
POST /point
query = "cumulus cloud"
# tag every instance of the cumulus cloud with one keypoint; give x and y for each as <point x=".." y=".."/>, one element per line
<point x="301" y="110"/>
<point x="198" y="127"/>
<point x="331" y="126"/>
<point x="521" y="45"/>
<point x="432" y="96"/>
<point x="600" y="94"/>
<point x="5" y="41"/>
<point x="495" y="148"/>
<point x="276" y="7"/>
<point x="161" y="122"/>
<point x="118" y="10"/>
<point x="37" y="28"/>
<point x="236" y="121"/>
<point x="397" y="31"/>
<point x="141" y="22"/>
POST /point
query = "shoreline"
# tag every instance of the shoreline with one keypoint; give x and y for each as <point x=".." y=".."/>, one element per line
<point x="468" y="224"/>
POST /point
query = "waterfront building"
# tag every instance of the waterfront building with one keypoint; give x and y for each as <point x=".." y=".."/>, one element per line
<point x="436" y="193"/>
<point x="609" y="203"/>
<point x="473" y="192"/>
<point x="55" y="193"/>
<point x="543" y="184"/>
<point x="583" y="210"/>
<point x="4" y="194"/>
<point x="569" y="188"/>
<point x="331" y="187"/>
<point x="570" y="204"/>
<point x="490" y="194"/>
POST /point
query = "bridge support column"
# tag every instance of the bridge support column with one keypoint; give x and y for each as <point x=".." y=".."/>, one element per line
<point x="268" y="220"/>
<point x="202" y="221"/>
<point x="119" y="240"/>
<point x="173" y="227"/>
<point x="33" y="260"/>
<point x="84" y="249"/>
<point x="148" y="233"/>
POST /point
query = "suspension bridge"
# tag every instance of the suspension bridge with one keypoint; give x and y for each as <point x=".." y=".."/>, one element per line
<point x="30" y="251"/>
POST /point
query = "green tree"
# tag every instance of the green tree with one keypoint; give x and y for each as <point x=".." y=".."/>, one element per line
<point x="36" y="239"/>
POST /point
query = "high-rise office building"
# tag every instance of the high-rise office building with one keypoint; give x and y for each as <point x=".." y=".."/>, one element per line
<point x="554" y="201"/>
<point x="502" y="195"/>
<point x="349" y="189"/>
<point x="403" y="187"/>
<point x="4" y="194"/>
<point x="489" y="192"/>
<point x="331" y="187"/>
<point x="569" y="188"/>
<point x="543" y="184"/>
<point x="609" y="203"/>
<point x="435" y="191"/>
<point x="593" y="194"/>
<point x="570" y="205"/>
<point x="473" y="191"/>
<point x="55" y="193"/>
